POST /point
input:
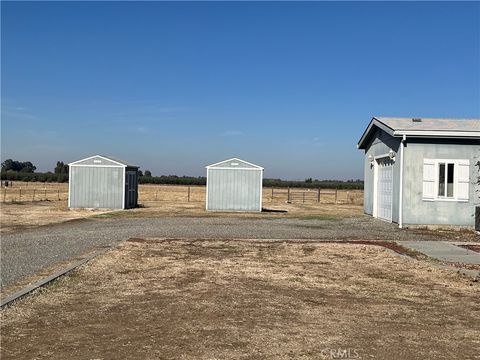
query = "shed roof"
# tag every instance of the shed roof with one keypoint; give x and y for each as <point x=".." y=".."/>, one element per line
<point x="110" y="158"/>
<point x="423" y="128"/>
<point x="234" y="163"/>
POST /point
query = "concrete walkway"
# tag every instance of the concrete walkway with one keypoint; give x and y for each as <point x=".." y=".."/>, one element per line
<point x="445" y="251"/>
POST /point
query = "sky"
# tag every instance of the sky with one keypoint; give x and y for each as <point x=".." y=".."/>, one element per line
<point x="173" y="87"/>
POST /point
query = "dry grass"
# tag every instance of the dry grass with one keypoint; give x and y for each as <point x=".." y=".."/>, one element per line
<point x="162" y="200"/>
<point x="15" y="216"/>
<point x="33" y="191"/>
<point x="244" y="299"/>
<point x="175" y="193"/>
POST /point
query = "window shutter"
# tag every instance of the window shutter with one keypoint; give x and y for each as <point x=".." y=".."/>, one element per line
<point x="463" y="179"/>
<point x="428" y="179"/>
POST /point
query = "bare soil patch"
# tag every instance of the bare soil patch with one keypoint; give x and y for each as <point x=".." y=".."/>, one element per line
<point x="472" y="247"/>
<point x="28" y="204"/>
<point x="24" y="215"/>
<point x="197" y="299"/>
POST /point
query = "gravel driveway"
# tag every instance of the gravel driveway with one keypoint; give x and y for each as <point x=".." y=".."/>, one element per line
<point x="25" y="253"/>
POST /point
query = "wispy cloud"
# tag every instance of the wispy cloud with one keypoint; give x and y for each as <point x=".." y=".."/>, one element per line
<point x="232" y="133"/>
<point x="315" y="141"/>
<point x="140" y="106"/>
<point x="17" y="112"/>
<point x="169" y="109"/>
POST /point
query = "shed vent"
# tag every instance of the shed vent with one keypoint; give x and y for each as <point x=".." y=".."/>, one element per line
<point x="417" y="120"/>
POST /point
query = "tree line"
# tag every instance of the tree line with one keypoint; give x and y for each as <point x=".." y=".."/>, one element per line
<point x="25" y="171"/>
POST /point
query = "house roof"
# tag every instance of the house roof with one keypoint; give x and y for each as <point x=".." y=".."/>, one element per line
<point x="234" y="163"/>
<point x="118" y="161"/>
<point x="423" y="128"/>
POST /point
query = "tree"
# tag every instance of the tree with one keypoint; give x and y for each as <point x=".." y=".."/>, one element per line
<point x="27" y="167"/>
<point x="148" y="173"/>
<point x="13" y="165"/>
<point x="140" y="173"/>
<point x="61" y="168"/>
<point x="8" y="164"/>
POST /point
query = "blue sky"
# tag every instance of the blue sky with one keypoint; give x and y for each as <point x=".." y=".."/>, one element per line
<point x="176" y="86"/>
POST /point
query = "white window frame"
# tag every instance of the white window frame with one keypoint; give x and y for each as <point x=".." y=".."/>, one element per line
<point x="455" y="163"/>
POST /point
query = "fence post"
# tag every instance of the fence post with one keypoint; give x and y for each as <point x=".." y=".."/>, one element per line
<point x="58" y="194"/>
<point x="33" y="198"/>
<point x="303" y="197"/>
<point x="156" y="195"/>
<point x="20" y="194"/>
<point x="272" y="193"/>
<point x="4" y="194"/>
<point x="288" y="194"/>
<point x="318" y="195"/>
<point x="45" y="192"/>
<point x="336" y="195"/>
<point x="189" y="194"/>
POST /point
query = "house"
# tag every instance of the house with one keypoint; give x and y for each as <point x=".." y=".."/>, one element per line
<point x="421" y="171"/>
<point x="234" y="185"/>
<point x="102" y="182"/>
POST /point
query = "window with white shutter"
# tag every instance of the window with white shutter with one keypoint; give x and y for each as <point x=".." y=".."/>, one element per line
<point x="446" y="179"/>
<point x="428" y="179"/>
<point x="463" y="179"/>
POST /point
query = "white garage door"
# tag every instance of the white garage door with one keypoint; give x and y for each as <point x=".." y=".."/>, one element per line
<point x="385" y="188"/>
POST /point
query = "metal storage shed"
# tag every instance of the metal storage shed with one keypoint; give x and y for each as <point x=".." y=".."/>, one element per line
<point x="102" y="182"/>
<point x="234" y="185"/>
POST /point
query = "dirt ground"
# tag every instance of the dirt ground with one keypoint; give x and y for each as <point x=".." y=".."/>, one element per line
<point x="187" y="299"/>
<point x="30" y="204"/>
<point x="24" y="215"/>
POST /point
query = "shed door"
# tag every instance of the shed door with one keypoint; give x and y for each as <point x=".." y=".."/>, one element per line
<point x="131" y="189"/>
<point x="384" y="188"/>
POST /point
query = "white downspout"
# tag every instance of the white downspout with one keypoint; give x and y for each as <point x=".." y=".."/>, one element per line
<point x="69" y="184"/>
<point x="400" y="205"/>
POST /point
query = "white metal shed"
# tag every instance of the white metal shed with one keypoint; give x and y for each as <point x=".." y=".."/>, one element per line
<point x="234" y="185"/>
<point x="102" y="182"/>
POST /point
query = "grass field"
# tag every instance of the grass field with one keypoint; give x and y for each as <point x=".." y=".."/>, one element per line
<point x="34" y="191"/>
<point x="195" y="299"/>
<point x="32" y="204"/>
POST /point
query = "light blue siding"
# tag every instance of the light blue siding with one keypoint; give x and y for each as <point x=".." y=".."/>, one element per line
<point x="381" y="144"/>
<point x="417" y="211"/>
<point x="420" y="212"/>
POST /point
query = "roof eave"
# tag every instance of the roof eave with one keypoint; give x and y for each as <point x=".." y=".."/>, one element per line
<point x="453" y="134"/>
<point x="374" y="122"/>
<point x="438" y="134"/>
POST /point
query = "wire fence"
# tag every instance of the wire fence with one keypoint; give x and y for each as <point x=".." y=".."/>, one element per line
<point x="25" y="192"/>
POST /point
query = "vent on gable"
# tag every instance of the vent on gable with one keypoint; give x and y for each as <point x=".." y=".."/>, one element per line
<point x="97" y="161"/>
<point x="234" y="164"/>
<point x="417" y="120"/>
